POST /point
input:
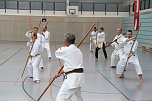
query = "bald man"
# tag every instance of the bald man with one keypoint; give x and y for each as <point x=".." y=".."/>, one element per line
<point x="118" y="45"/>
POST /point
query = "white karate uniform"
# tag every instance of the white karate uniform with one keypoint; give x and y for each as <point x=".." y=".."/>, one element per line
<point x="101" y="44"/>
<point x="73" y="59"/>
<point x="45" y="41"/>
<point x="133" y="59"/>
<point x="33" y="63"/>
<point x="28" y="35"/>
<point x="92" y="39"/>
<point x="101" y="37"/>
<point x="118" y="51"/>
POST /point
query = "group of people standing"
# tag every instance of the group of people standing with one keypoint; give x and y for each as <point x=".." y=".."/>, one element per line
<point x="38" y="42"/>
<point x="69" y="53"/>
<point x="124" y="47"/>
<point x="98" y="39"/>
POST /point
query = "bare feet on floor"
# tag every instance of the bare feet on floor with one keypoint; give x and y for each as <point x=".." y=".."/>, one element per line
<point x="141" y="78"/>
<point x="122" y="76"/>
<point x="141" y="81"/>
<point x="37" y="81"/>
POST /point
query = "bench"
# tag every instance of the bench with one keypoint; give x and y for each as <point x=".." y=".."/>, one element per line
<point x="146" y="48"/>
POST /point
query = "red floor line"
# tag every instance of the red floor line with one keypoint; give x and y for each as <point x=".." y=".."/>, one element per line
<point x="16" y="81"/>
<point x="19" y="81"/>
<point x="51" y="88"/>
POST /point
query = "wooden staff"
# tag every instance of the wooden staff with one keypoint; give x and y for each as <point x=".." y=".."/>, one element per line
<point x="39" y="24"/>
<point x="27" y="60"/>
<point x="97" y="25"/>
<point x="29" y="52"/>
<point x="63" y="66"/>
<point x="46" y="24"/>
<point x="30" y="22"/>
<point x="115" y="40"/>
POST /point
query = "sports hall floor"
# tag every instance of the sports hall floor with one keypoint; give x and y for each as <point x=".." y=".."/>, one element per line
<point x="101" y="83"/>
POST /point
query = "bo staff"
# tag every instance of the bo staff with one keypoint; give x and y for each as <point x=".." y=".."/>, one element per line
<point x="63" y="66"/>
<point x="46" y="24"/>
<point x="115" y="40"/>
<point x="86" y="35"/>
<point x="39" y="24"/>
<point x="27" y="60"/>
<point x="30" y="22"/>
<point x="29" y="52"/>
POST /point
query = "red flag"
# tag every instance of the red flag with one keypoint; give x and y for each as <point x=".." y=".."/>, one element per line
<point x="136" y="14"/>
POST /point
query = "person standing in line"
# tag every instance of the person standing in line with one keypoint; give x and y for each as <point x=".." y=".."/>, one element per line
<point x="131" y="56"/>
<point x="73" y="69"/>
<point x="93" y="38"/>
<point x="34" y="58"/>
<point x="100" y="43"/>
<point x="118" y="45"/>
<point x="46" y="40"/>
<point x="39" y="36"/>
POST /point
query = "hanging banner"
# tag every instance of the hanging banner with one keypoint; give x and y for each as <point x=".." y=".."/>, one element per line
<point x="136" y="15"/>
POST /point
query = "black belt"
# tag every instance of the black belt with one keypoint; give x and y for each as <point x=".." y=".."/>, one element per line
<point x="79" y="70"/>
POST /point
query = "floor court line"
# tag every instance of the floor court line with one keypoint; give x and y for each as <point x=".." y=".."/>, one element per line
<point x="113" y="85"/>
<point x="11" y="56"/>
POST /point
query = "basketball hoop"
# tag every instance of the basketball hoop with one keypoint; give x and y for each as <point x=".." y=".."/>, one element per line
<point x="72" y="11"/>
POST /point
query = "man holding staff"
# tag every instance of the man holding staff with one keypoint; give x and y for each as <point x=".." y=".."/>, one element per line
<point x="46" y="40"/>
<point x="73" y="69"/>
<point x="39" y="36"/>
<point x="118" y="45"/>
<point x="34" y="57"/>
<point x="130" y="56"/>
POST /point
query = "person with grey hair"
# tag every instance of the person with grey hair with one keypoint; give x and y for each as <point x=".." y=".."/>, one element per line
<point x="73" y="69"/>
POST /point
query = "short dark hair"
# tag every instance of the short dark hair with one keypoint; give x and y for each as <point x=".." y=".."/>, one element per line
<point x="130" y="31"/>
<point x="94" y="27"/>
<point x="70" y="38"/>
<point x="35" y="28"/>
<point x="101" y="28"/>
